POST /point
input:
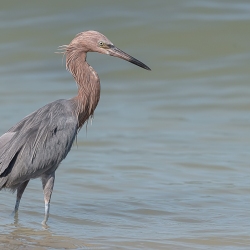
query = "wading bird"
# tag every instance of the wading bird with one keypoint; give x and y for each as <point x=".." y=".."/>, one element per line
<point x="36" y="145"/>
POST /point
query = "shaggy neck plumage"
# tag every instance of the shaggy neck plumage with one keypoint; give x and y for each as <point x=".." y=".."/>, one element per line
<point x="88" y="84"/>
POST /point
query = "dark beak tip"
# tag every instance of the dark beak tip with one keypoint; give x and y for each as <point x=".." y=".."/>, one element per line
<point x="121" y="54"/>
<point x="145" y="67"/>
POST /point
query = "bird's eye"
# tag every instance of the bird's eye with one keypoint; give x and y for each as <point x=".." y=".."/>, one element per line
<point x="101" y="43"/>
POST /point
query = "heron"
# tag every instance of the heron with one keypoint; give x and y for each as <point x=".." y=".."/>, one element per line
<point x="35" y="146"/>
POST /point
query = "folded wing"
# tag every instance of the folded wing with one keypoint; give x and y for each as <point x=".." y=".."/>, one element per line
<point x="37" y="144"/>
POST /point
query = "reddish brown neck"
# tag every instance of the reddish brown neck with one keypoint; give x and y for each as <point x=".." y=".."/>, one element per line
<point x="88" y="86"/>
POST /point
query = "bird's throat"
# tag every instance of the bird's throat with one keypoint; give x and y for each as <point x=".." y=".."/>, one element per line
<point x="88" y="89"/>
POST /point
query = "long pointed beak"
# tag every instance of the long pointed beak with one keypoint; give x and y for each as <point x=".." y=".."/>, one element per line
<point x="114" y="51"/>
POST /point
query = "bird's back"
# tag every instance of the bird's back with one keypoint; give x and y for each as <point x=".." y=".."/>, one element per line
<point x="37" y="144"/>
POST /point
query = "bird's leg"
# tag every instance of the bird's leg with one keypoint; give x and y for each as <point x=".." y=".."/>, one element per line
<point x="48" y="184"/>
<point x="20" y="191"/>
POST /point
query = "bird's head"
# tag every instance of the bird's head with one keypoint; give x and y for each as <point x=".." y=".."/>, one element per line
<point x="94" y="41"/>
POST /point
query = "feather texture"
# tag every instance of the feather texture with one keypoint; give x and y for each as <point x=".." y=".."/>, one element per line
<point x="28" y="149"/>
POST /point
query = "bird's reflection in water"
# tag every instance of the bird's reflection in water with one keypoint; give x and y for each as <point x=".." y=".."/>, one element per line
<point x="16" y="236"/>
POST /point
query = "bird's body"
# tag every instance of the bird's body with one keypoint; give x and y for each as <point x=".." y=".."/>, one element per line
<point x="28" y="152"/>
<point x="36" y="145"/>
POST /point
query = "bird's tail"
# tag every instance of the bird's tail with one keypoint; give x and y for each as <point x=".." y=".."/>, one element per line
<point x="3" y="181"/>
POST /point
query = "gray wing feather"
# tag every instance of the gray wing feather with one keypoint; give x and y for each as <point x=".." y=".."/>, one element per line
<point x="38" y="143"/>
<point x="5" y="138"/>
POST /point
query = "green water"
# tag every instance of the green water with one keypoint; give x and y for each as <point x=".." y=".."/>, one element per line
<point x="165" y="164"/>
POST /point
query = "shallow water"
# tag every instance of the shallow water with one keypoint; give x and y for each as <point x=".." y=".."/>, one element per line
<point x="165" y="164"/>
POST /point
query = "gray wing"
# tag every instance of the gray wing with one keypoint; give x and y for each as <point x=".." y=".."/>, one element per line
<point x="38" y="143"/>
<point x="5" y="138"/>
